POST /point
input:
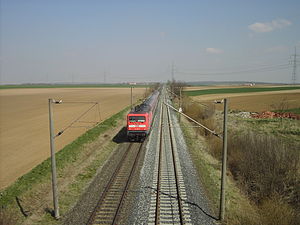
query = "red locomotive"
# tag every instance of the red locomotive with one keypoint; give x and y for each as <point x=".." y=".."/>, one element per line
<point x="139" y="120"/>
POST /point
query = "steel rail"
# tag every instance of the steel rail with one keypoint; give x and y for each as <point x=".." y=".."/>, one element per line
<point x="159" y="168"/>
<point x="164" y="119"/>
<point x="109" y="185"/>
<point x="128" y="183"/>
<point x="175" y="168"/>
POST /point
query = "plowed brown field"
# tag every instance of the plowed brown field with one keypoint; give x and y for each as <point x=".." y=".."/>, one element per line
<point x="257" y="101"/>
<point x="24" y="130"/>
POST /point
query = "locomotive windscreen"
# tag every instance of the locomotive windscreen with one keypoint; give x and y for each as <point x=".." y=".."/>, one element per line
<point x="137" y="119"/>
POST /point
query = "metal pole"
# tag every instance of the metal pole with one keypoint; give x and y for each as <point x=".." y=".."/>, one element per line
<point x="224" y="163"/>
<point x="53" y="162"/>
<point x="180" y="97"/>
<point x="294" y="67"/>
<point x="172" y="71"/>
<point x="131" y="97"/>
<point x="180" y="103"/>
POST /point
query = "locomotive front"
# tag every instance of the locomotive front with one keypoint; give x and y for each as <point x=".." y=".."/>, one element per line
<point x="139" y="120"/>
<point x="137" y="125"/>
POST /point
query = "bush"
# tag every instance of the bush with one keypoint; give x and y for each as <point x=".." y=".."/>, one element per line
<point x="264" y="166"/>
<point x="7" y="217"/>
<point x="215" y="145"/>
<point x="203" y="114"/>
<point x="274" y="211"/>
<point x="175" y="86"/>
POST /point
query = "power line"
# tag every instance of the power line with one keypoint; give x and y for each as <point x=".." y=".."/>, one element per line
<point x="251" y="70"/>
<point x="294" y="66"/>
<point x="77" y="119"/>
<point x="172" y="70"/>
<point x="64" y="102"/>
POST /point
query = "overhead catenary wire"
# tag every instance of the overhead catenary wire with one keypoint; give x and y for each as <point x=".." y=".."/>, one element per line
<point x="206" y="128"/>
<point x="98" y="106"/>
<point x="233" y="72"/>
<point x="64" y="102"/>
<point x="192" y="99"/>
<point x="77" y="119"/>
<point x="87" y="121"/>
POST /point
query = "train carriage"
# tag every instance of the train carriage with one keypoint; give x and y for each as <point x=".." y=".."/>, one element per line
<point x="139" y="120"/>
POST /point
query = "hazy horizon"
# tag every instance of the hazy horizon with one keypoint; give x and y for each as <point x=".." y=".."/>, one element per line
<point x="139" y="41"/>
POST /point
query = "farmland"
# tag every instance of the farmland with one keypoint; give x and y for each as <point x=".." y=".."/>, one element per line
<point x="242" y="100"/>
<point x="24" y="132"/>
<point x="240" y="90"/>
<point x="12" y="86"/>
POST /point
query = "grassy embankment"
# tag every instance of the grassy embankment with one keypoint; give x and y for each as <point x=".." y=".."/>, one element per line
<point x="87" y="153"/>
<point x="263" y="166"/>
<point x="238" y="90"/>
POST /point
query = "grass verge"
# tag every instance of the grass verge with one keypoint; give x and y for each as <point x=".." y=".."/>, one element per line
<point x="262" y="184"/>
<point x="239" y="209"/>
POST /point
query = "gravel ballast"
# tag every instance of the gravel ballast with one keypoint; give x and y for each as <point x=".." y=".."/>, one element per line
<point x="139" y="204"/>
<point x="196" y="198"/>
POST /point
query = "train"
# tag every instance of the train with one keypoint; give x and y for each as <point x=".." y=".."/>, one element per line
<point x="140" y="118"/>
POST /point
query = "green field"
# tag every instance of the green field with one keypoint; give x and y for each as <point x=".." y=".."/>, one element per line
<point x="238" y="90"/>
<point x="295" y="110"/>
<point x="69" y="86"/>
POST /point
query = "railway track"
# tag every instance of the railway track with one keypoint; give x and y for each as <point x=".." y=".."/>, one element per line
<point x="168" y="202"/>
<point x="110" y="203"/>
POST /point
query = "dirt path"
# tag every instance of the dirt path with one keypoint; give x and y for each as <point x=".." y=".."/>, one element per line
<point x="24" y="130"/>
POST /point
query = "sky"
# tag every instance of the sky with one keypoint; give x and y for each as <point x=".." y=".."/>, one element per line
<point x="50" y="41"/>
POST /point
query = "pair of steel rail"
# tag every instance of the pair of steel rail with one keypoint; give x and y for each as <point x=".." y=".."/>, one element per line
<point x="109" y="206"/>
<point x="169" y="206"/>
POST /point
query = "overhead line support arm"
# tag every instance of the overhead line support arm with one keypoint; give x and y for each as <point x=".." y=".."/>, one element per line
<point x="211" y="131"/>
